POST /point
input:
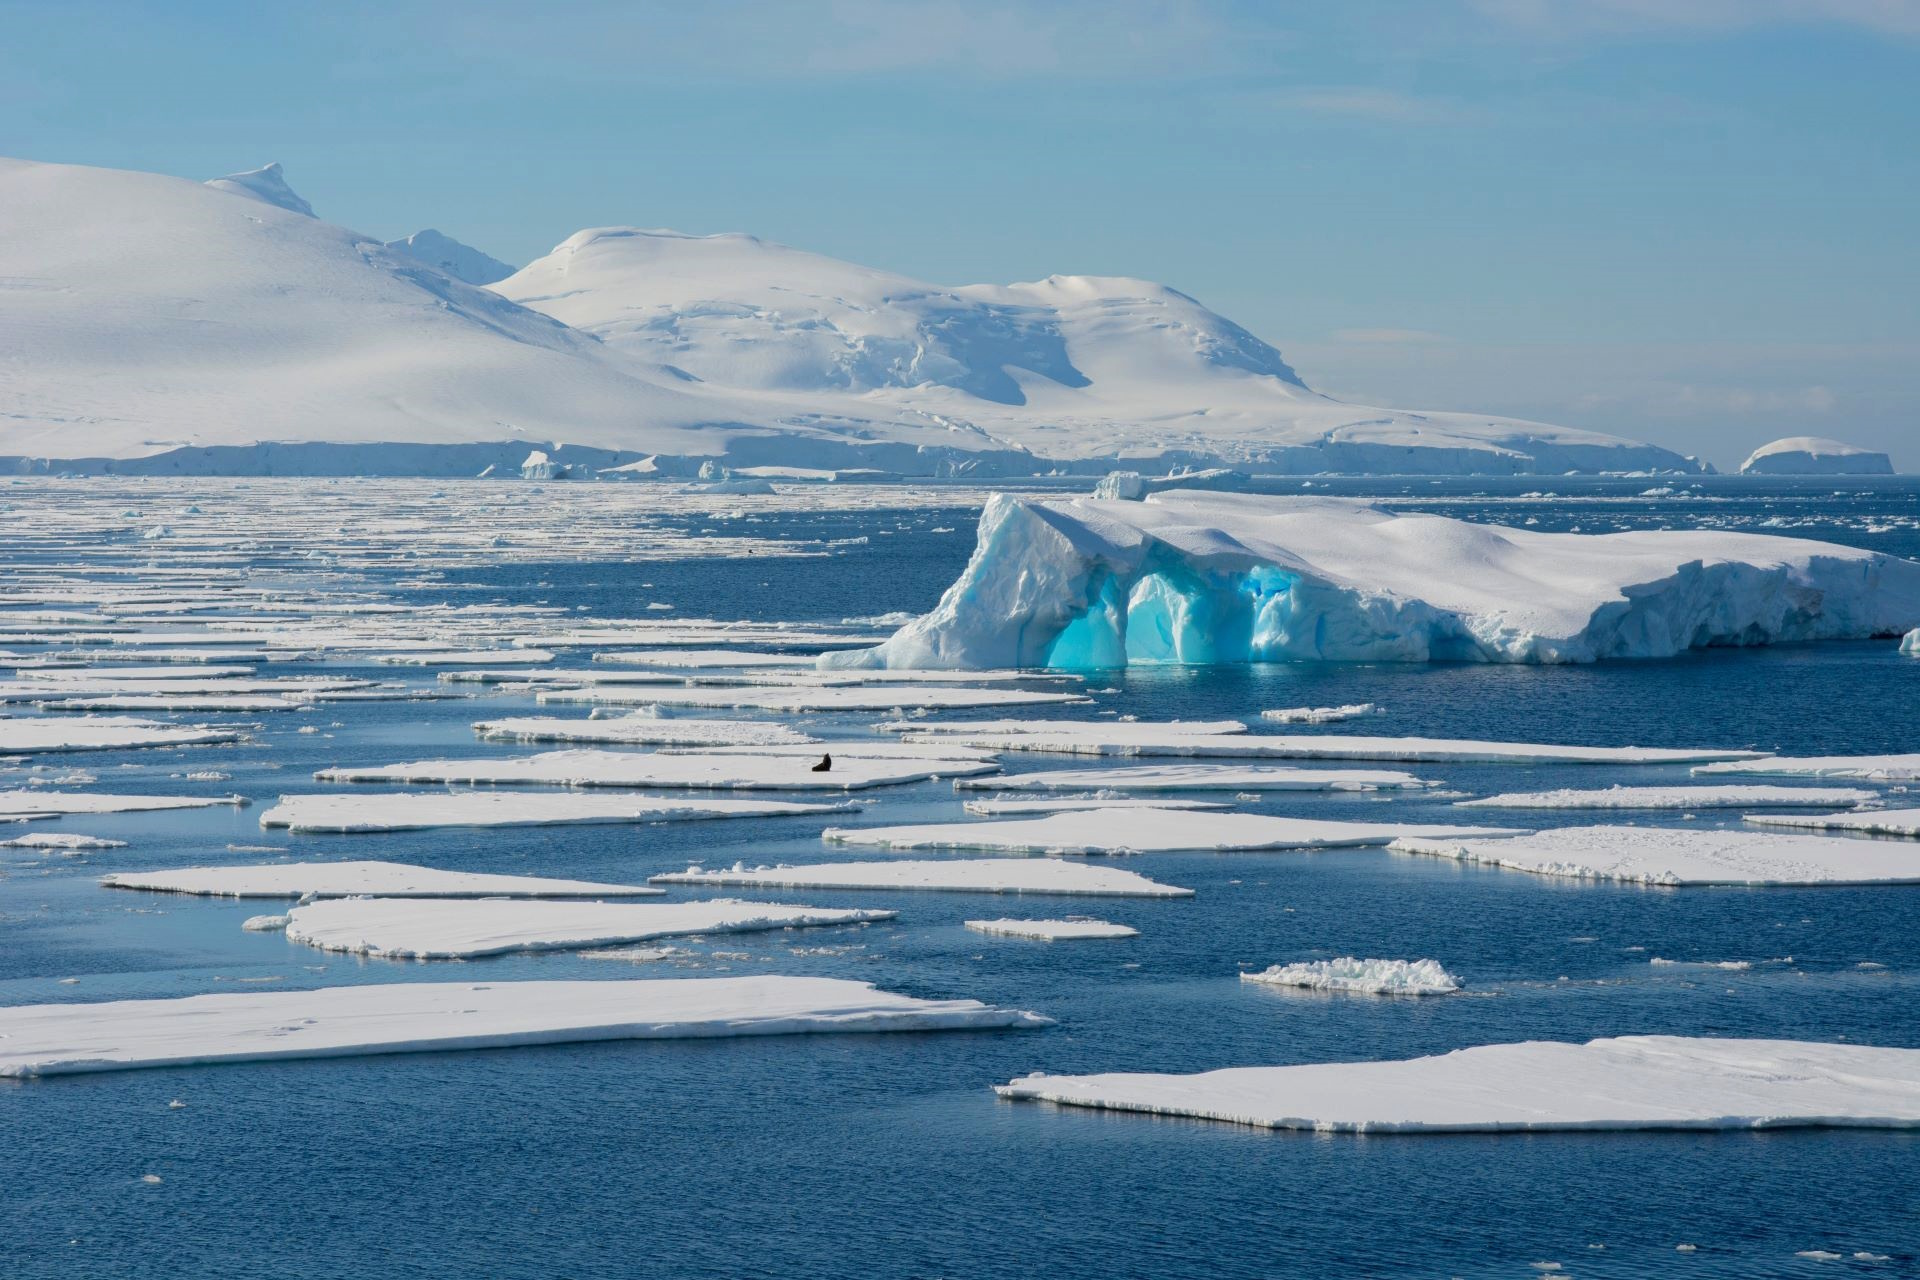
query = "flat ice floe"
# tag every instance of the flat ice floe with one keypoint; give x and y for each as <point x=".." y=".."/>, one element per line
<point x="420" y="811"/>
<point x="1120" y="738"/>
<point x="1053" y="930"/>
<point x="1893" y="768"/>
<point x="698" y="659"/>
<point x="811" y="697"/>
<point x="1201" y="777"/>
<point x="346" y="879"/>
<point x="413" y="1017"/>
<point x="1629" y="1082"/>
<point x="1320" y="715"/>
<point x="452" y="929"/>
<point x="67" y="841"/>
<point x="1881" y="822"/>
<point x="1194" y="577"/>
<point x="36" y="803"/>
<point x="968" y="875"/>
<point x="1371" y="977"/>
<point x="1116" y="831"/>
<point x="731" y="771"/>
<point x="637" y="731"/>
<point x="102" y="733"/>
<point x="1665" y="856"/>
<point x="1696" y="797"/>
<point x="185" y="702"/>
<point x="1000" y="805"/>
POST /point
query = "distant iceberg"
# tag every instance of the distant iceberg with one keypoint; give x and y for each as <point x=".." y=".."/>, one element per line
<point x="1813" y="456"/>
<point x="1189" y="577"/>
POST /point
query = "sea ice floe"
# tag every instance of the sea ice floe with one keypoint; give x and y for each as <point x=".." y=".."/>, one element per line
<point x="1053" y="930"/>
<point x="1881" y="822"/>
<point x="1889" y="768"/>
<point x="811" y="697"/>
<point x="447" y="928"/>
<point x="1002" y="805"/>
<point x="20" y="736"/>
<point x="1320" y="715"/>
<point x="38" y="803"/>
<point x="697" y="659"/>
<point x="188" y="702"/>
<point x="731" y="771"/>
<point x="345" y="879"/>
<point x="69" y="841"/>
<point x="1628" y="1082"/>
<point x="1201" y="777"/>
<point x="639" y="731"/>
<point x="1101" y="831"/>
<point x="1666" y="856"/>
<point x="1696" y="797"/>
<point x="1373" y="977"/>
<point x="419" y="811"/>
<point x="408" y="1017"/>
<point x="961" y="875"/>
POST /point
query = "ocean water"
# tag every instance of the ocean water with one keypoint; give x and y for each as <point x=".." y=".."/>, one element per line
<point x="888" y="1155"/>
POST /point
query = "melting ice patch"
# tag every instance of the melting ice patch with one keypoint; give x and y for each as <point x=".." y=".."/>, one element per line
<point x="1696" y="797"/>
<point x="1195" y="577"/>
<point x="1117" y="831"/>
<point x="1201" y="777"/>
<point x="1664" y="856"/>
<point x="1077" y="929"/>
<point x="420" y="811"/>
<point x="344" y="879"/>
<point x="958" y="875"/>
<point x="1374" y="977"/>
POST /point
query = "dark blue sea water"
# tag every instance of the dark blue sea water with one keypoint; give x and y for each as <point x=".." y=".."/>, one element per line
<point x="888" y="1155"/>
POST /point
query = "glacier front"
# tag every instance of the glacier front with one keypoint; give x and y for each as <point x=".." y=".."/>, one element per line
<point x="1202" y="577"/>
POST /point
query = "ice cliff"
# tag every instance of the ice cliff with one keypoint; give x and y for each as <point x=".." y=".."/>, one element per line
<point x="1191" y="577"/>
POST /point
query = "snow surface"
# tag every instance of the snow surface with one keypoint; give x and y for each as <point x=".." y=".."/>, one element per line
<point x="268" y="185"/>
<point x="1814" y="456"/>
<point x="811" y="697"/>
<point x="1053" y="930"/>
<point x="1628" y="1082"/>
<point x="1889" y="768"/>
<point x="1664" y="856"/>
<point x="103" y="733"/>
<point x="450" y="929"/>
<point x="732" y="771"/>
<point x="1000" y="805"/>
<point x="411" y="1017"/>
<point x="1320" y="715"/>
<point x="39" y="802"/>
<point x="346" y="879"/>
<point x="420" y="811"/>
<point x="959" y="875"/>
<point x="1374" y="977"/>
<point x="639" y="731"/>
<point x="1696" y="797"/>
<point x="461" y="261"/>
<point x="1882" y="822"/>
<point x="1193" y="577"/>
<point x="70" y="841"/>
<point x="1119" y="831"/>
<point x="1200" y="777"/>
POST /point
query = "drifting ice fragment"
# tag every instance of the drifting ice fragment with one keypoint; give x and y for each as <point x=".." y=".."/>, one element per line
<point x="1100" y="831"/>
<point x="1664" y="856"/>
<point x="1697" y="797"/>
<point x="1374" y="977"/>
<point x="419" y="811"/>
<point x="982" y="875"/>
<point x="346" y="879"/>
<point x="1053" y="930"/>
<point x="1200" y="777"/>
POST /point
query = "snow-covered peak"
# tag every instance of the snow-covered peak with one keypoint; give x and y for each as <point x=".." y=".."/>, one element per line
<point x="1815" y="456"/>
<point x="268" y="185"/>
<point x="461" y="261"/>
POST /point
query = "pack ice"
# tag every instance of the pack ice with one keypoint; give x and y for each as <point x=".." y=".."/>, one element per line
<point x="1201" y="577"/>
<point x="1117" y="831"/>
<point x="1628" y="1082"/>
<point x="1666" y="856"/>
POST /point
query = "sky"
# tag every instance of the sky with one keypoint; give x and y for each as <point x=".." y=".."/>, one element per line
<point x="1686" y="221"/>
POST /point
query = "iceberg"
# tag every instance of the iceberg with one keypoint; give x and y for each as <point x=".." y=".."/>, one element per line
<point x="1372" y="977"/>
<point x="1910" y="643"/>
<point x="1198" y="577"/>
<point x="1122" y="831"/>
<point x="458" y="929"/>
<point x="1625" y="1082"/>
<point x="1814" y="456"/>
<point x="1670" y="857"/>
<point x="416" y="1017"/>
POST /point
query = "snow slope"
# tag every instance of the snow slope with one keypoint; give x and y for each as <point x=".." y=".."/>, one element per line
<point x="1813" y="456"/>
<point x="1195" y="577"/>
<point x="450" y="257"/>
<point x="1068" y="368"/>
<point x="268" y="185"/>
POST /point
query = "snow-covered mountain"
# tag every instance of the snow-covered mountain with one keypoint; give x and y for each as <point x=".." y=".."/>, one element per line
<point x="150" y="323"/>
<point x="461" y="261"/>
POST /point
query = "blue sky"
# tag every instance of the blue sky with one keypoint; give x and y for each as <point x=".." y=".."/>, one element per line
<point x="1690" y="221"/>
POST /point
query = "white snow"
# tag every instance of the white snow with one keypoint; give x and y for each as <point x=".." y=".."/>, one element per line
<point x="960" y="875"/>
<point x="420" y="811"/>
<point x="448" y="929"/>
<point x="1201" y="777"/>
<point x="1053" y="930"/>
<point x="1119" y="831"/>
<point x="408" y="1017"/>
<point x="1814" y="456"/>
<point x="268" y="185"/>
<point x="1195" y="577"/>
<point x="1664" y="856"/>
<point x="1695" y="797"/>
<point x="811" y="697"/>
<point x="639" y="731"/>
<point x="1320" y="715"/>
<point x="102" y="733"/>
<point x="1882" y="822"/>
<point x="345" y="879"/>
<point x="733" y="771"/>
<point x="461" y="261"/>
<point x="1001" y="805"/>
<point x="701" y="659"/>
<point x="71" y="841"/>
<point x="1888" y="768"/>
<point x="1629" y="1082"/>
<point x="264" y="924"/>
<point x="37" y="802"/>
<point x="1374" y="977"/>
